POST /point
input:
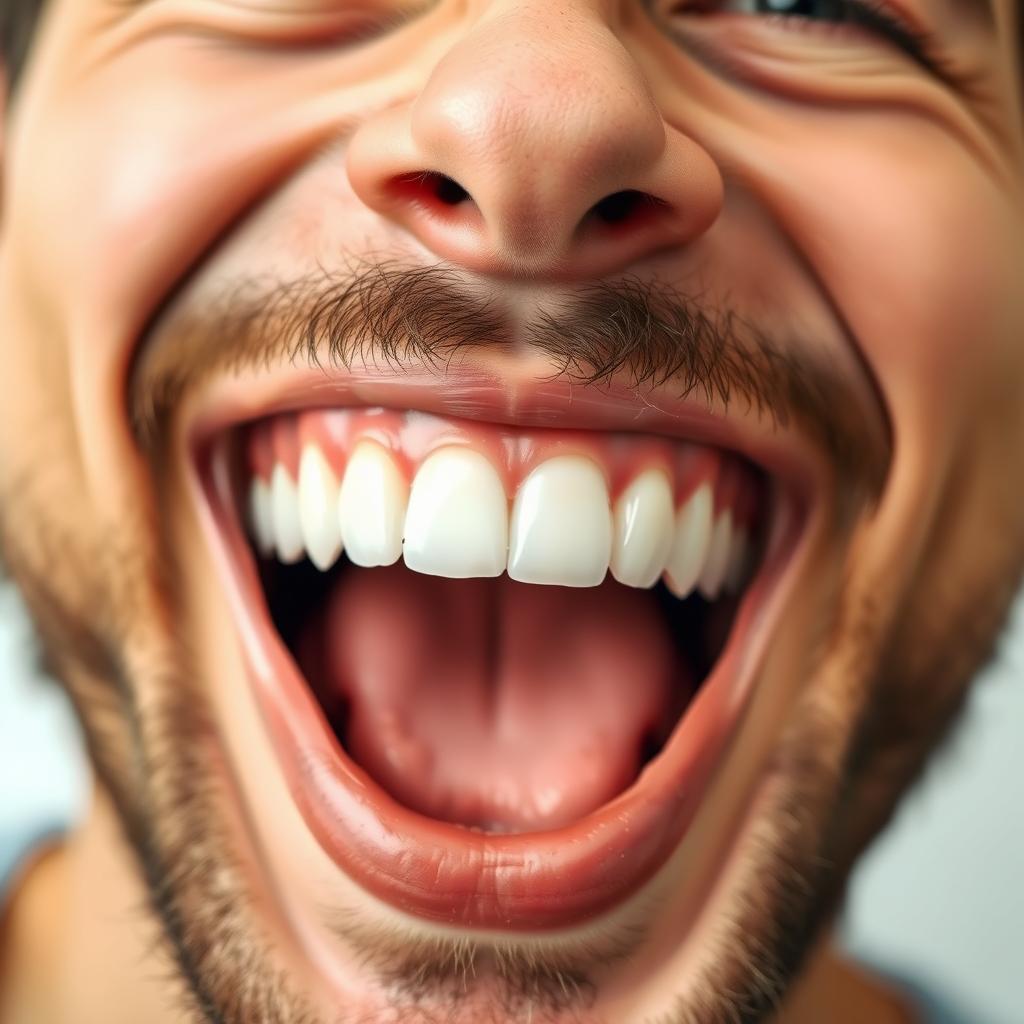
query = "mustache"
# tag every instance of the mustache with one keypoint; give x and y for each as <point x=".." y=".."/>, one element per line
<point x="644" y="334"/>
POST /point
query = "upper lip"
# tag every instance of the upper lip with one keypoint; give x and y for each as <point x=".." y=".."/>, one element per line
<point x="482" y="392"/>
<point x="526" y="882"/>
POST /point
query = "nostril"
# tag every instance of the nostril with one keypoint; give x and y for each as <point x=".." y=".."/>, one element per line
<point x="431" y="188"/>
<point x="626" y="205"/>
<point x="449" y="191"/>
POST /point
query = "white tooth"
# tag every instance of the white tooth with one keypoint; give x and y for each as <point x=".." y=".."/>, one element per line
<point x="457" y="522"/>
<point x="318" y="507"/>
<point x="644" y="525"/>
<point x="561" y="525"/>
<point x="690" y="544"/>
<point x="284" y="504"/>
<point x="371" y="506"/>
<point x="261" y="518"/>
<point x="713" y="574"/>
<point x="736" y="574"/>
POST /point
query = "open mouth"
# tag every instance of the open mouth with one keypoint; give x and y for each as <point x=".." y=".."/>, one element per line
<point x="498" y="664"/>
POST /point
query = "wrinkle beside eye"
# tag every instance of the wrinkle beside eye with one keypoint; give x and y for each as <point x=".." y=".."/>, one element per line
<point x="828" y="62"/>
<point x="286" y="22"/>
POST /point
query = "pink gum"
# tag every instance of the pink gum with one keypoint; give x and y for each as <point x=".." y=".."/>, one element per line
<point x="411" y="437"/>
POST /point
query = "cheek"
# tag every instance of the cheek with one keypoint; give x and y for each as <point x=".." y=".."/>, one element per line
<point x="917" y="247"/>
<point x="915" y="241"/>
<point x="122" y="181"/>
<point x="136" y="172"/>
<point x="920" y="250"/>
<point x="901" y="218"/>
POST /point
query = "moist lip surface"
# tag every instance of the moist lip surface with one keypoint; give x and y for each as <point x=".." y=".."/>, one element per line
<point x="545" y="878"/>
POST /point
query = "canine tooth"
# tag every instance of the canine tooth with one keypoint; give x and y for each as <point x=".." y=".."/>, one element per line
<point x="736" y="574"/>
<point x="261" y="517"/>
<point x="318" y="508"/>
<point x="713" y="574"/>
<point x="371" y="506"/>
<point x="561" y="529"/>
<point x="690" y="543"/>
<point x="284" y="504"/>
<point x="457" y="521"/>
<point x="644" y="522"/>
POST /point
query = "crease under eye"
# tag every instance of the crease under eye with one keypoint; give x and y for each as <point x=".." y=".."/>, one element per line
<point x="893" y="25"/>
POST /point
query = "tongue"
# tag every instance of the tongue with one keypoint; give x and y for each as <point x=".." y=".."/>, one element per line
<point x="496" y="704"/>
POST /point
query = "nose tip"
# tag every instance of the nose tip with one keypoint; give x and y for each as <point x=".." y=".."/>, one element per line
<point x="535" y="155"/>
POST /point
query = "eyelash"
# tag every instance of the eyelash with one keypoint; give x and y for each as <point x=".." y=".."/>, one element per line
<point x="875" y="15"/>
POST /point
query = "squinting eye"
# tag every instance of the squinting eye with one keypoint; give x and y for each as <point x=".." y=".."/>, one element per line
<point x="815" y="10"/>
<point x="878" y="17"/>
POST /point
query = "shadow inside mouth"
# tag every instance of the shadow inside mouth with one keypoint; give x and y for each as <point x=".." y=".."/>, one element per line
<point x="497" y="706"/>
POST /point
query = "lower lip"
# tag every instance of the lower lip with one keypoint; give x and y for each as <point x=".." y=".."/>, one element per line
<point x="441" y="872"/>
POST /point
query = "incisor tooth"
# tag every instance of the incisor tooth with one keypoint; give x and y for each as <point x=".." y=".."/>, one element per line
<point x="717" y="563"/>
<point x="644" y="522"/>
<point x="284" y="504"/>
<point x="690" y="544"/>
<point x="318" y="508"/>
<point x="261" y="517"/>
<point x="561" y="529"/>
<point x="371" y="506"/>
<point x="457" y="521"/>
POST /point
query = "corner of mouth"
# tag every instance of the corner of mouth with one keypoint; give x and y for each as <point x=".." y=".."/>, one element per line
<point x="306" y="593"/>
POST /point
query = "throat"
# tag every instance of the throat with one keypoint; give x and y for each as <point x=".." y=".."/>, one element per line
<point x="493" y="704"/>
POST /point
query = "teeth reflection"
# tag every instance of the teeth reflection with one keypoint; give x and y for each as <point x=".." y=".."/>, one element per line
<point x="318" y="508"/>
<point x="284" y="505"/>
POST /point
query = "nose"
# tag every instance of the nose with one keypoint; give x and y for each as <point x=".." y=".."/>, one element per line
<point x="537" y="150"/>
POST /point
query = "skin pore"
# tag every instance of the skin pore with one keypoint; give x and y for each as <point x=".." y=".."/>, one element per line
<point x="831" y="268"/>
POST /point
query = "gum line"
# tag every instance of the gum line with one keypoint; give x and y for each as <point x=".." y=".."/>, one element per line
<point x="410" y="437"/>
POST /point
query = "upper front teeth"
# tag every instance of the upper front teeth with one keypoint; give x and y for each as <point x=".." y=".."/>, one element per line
<point x="371" y="506"/>
<point x="318" y="508"/>
<point x="455" y="521"/>
<point x="561" y="525"/>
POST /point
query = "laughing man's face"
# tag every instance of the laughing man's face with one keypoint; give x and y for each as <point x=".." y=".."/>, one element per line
<point x="515" y="490"/>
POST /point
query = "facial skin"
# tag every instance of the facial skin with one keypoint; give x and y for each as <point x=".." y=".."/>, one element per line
<point x="185" y="179"/>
